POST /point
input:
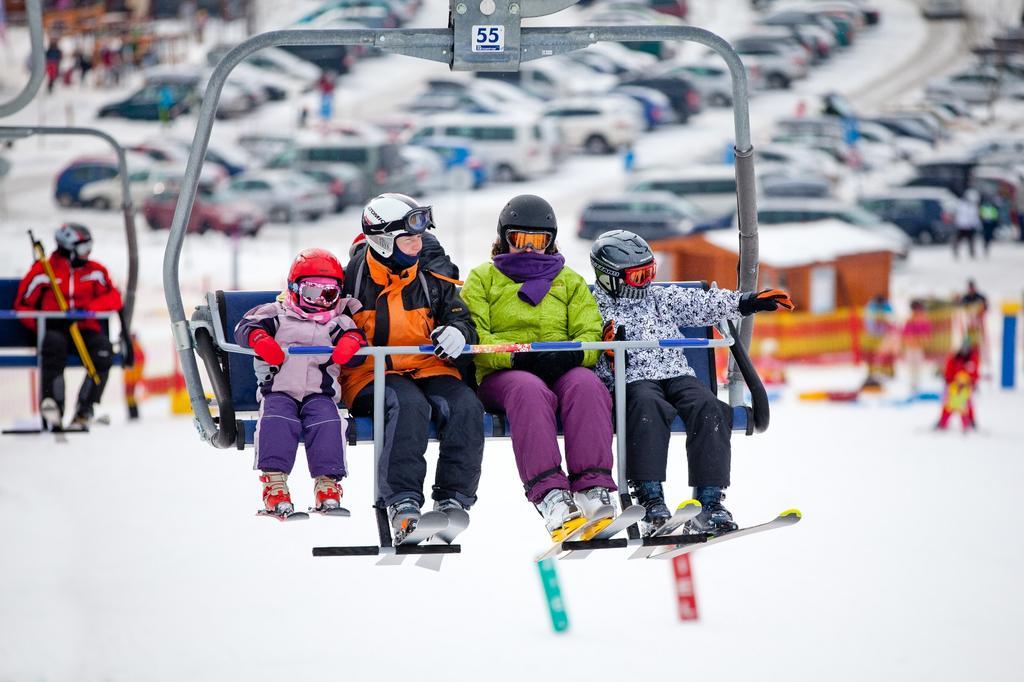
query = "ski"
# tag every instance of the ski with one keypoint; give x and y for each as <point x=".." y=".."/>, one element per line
<point x="429" y="523"/>
<point x="340" y="512"/>
<point x="575" y="534"/>
<point x="684" y="512"/>
<point x="458" y="521"/>
<point x="285" y="516"/>
<point x="627" y="518"/>
<point x="786" y="518"/>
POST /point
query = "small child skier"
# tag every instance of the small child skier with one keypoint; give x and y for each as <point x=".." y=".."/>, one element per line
<point x="299" y="393"/>
<point x="661" y="384"/>
<point x="961" y="374"/>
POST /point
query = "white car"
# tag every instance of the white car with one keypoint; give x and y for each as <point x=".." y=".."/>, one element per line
<point x="942" y="9"/>
<point x="143" y="182"/>
<point x="711" y="188"/>
<point x="804" y="159"/>
<point x="283" y="194"/>
<point x="557" y="77"/>
<point x="598" y="125"/>
<point x="979" y="85"/>
<point x="519" y="146"/>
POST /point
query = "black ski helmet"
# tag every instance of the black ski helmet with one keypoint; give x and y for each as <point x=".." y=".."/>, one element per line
<point x="528" y="212"/>
<point x="615" y="252"/>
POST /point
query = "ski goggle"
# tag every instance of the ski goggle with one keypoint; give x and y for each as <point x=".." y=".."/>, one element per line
<point x="416" y="221"/>
<point x="640" y="275"/>
<point x="319" y="295"/>
<point x="522" y="239"/>
<point x="83" y="249"/>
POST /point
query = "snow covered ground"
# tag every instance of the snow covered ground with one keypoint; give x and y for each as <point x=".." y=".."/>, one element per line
<point x="132" y="553"/>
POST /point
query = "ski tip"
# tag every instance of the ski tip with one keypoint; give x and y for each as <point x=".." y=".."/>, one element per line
<point x="689" y="503"/>
<point x="793" y="515"/>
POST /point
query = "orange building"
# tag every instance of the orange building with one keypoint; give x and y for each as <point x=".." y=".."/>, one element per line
<point x="824" y="265"/>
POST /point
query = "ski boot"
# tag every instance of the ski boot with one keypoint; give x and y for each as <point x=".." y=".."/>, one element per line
<point x="458" y="518"/>
<point x="50" y="412"/>
<point x="652" y="497"/>
<point x="327" y="494"/>
<point x="276" y="498"/>
<point x="713" y="518"/>
<point x="561" y="515"/>
<point x="597" y="507"/>
<point x="83" y="417"/>
<point x="403" y="515"/>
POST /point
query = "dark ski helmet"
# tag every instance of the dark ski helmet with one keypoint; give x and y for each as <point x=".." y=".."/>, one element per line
<point x="389" y="216"/>
<point x="623" y="264"/>
<point x="74" y="241"/>
<point x="529" y="213"/>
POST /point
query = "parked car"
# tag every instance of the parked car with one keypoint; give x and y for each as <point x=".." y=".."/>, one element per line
<point x="598" y="125"/>
<point x="273" y="60"/>
<point x="978" y="85"/>
<point x="520" y="147"/>
<point x="713" y="80"/>
<point x="809" y="187"/>
<point x="284" y="195"/>
<point x="652" y="215"/>
<point x="78" y="174"/>
<point x="462" y="168"/>
<point x="555" y="77"/>
<point x="775" y="211"/>
<point x="924" y="213"/>
<point x="780" y="64"/>
<point x="218" y="211"/>
<point x="657" y="107"/>
<point x="680" y="90"/>
<point x="377" y="158"/>
<point x="800" y="159"/>
<point x="942" y="9"/>
<point x="343" y="180"/>
<point x="143" y="181"/>
<point x="711" y="188"/>
<point x="145" y="104"/>
<point x="174" y="152"/>
<point x="954" y="173"/>
<point x="998" y="149"/>
<point x="907" y="127"/>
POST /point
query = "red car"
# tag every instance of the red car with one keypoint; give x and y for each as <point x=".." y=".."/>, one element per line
<point x="220" y="211"/>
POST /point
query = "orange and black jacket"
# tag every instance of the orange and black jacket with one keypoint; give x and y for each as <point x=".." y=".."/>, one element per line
<point x="402" y="310"/>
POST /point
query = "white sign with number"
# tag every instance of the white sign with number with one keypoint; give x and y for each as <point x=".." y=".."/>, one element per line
<point x="489" y="38"/>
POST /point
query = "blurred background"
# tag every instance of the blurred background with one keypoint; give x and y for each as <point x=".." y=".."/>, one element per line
<point x="889" y="148"/>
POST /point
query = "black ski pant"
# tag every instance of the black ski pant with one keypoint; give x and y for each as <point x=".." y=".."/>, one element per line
<point x="963" y="235"/>
<point x="57" y="344"/>
<point x="410" y="405"/>
<point x="651" y="406"/>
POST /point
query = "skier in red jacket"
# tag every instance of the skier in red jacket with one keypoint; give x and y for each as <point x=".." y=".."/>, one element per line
<point x="86" y="285"/>
<point x="961" y="374"/>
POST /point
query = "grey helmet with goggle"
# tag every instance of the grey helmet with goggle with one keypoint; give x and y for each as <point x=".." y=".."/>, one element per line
<point x="74" y="242"/>
<point x="393" y="215"/>
<point x="529" y="214"/>
<point x="623" y="264"/>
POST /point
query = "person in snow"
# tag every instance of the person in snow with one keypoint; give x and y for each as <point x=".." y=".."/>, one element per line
<point x="660" y="383"/>
<point x="967" y="219"/>
<point x="961" y="375"/>
<point x="298" y="394"/>
<point x="409" y="298"/>
<point x="86" y="285"/>
<point x="526" y="294"/>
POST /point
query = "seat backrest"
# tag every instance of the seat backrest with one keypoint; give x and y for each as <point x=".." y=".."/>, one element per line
<point x="232" y="305"/>
<point x="13" y="334"/>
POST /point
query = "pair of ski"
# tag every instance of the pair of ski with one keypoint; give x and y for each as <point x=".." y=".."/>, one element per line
<point x="663" y="543"/>
<point x="432" y="528"/>
<point x="296" y="515"/>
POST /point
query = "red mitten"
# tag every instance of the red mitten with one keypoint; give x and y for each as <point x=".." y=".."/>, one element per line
<point x="347" y="346"/>
<point x="267" y="349"/>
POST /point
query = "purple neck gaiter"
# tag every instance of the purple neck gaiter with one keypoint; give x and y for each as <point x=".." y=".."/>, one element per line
<point x="535" y="271"/>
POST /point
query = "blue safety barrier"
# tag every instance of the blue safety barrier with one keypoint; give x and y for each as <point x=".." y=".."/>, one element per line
<point x="228" y="307"/>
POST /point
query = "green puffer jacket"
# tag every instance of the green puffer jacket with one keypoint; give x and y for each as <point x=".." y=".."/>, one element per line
<point x="568" y="313"/>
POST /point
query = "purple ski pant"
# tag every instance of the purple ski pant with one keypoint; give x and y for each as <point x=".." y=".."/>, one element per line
<point x="316" y="419"/>
<point x="585" y="408"/>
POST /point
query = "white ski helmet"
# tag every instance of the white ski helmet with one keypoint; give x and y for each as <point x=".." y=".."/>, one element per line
<point x="389" y="216"/>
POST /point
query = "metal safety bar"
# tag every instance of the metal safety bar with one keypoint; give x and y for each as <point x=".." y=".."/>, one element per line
<point x="127" y="209"/>
<point x="37" y="62"/>
<point x="55" y="315"/>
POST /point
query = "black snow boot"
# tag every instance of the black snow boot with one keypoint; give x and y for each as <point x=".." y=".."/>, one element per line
<point x="714" y="518"/>
<point x="651" y="496"/>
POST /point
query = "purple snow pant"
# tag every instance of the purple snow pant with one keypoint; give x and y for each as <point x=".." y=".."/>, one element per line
<point x="585" y="408"/>
<point x="283" y="419"/>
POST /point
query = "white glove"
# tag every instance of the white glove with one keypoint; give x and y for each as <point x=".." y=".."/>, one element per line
<point x="449" y="342"/>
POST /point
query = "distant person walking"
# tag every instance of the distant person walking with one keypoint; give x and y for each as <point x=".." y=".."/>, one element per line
<point x="53" y="59"/>
<point x="326" y="88"/>
<point x="967" y="219"/>
<point x="990" y="218"/>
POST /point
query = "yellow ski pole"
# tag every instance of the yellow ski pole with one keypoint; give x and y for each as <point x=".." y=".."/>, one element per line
<point x="76" y="336"/>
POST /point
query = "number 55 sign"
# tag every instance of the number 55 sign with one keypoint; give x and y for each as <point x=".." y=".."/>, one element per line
<point x="488" y="39"/>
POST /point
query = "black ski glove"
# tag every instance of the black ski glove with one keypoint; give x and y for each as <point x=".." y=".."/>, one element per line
<point x="766" y="300"/>
<point x="548" y="365"/>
